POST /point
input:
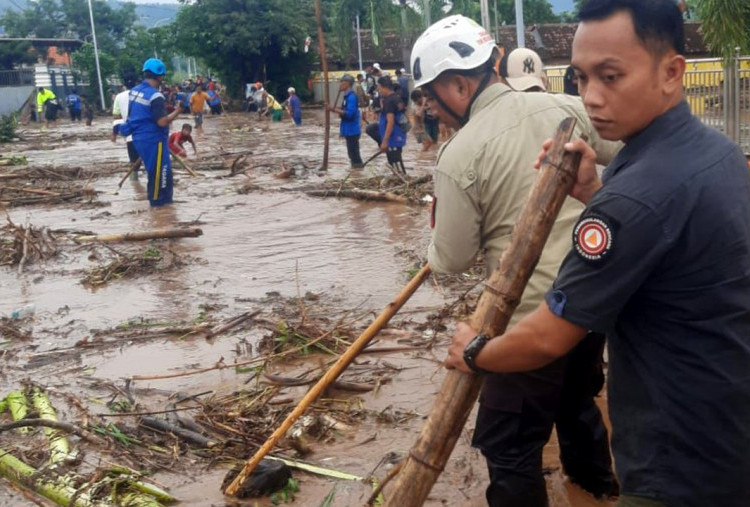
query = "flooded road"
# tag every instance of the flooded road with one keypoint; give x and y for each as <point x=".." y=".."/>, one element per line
<point x="272" y="241"/>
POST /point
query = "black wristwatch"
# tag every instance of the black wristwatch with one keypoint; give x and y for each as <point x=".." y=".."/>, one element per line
<point x="472" y="350"/>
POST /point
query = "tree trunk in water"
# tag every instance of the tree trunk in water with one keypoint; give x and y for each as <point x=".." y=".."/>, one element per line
<point x="500" y="298"/>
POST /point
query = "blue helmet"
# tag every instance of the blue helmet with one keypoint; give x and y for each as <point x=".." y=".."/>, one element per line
<point x="155" y="66"/>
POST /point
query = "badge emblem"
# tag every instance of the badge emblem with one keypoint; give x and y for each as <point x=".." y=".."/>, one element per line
<point x="592" y="238"/>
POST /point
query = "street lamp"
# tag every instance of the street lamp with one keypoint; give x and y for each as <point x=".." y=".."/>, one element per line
<point x="96" y="56"/>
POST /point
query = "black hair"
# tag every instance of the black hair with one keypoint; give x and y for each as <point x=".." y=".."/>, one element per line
<point x="569" y="85"/>
<point x="385" y="82"/>
<point x="398" y="72"/>
<point x="186" y="125"/>
<point x="41" y="88"/>
<point x="658" y="23"/>
<point x="416" y="95"/>
<point x="150" y="75"/>
<point x="75" y="91"/>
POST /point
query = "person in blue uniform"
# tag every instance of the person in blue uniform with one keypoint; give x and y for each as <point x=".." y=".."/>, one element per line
<point x="350" y="128"/>
<point x="660" y="262"/>
<point x="294" y="106"/>
<point x="148" y="122"/>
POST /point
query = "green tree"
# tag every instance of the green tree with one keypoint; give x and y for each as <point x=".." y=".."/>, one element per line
<point x="249" y="40"/>
<point x="14" y="53"/>
<point x="725" y="25"/>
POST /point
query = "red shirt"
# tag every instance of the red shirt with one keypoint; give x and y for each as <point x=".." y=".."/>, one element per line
<point x="177" y="139"/>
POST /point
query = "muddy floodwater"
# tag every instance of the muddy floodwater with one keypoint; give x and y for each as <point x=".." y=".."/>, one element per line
<point x="264" y="241"/>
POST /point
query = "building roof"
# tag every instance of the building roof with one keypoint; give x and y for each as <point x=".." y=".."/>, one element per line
<point x="553" y="42"/>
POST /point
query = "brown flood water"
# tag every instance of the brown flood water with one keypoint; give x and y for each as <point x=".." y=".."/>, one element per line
<point x="252" y="244"/>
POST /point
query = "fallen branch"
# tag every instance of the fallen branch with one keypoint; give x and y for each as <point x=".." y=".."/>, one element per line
<point x="362" y="195"/>
<point x="143" y="236"/>
<point x="232" y="323"/>
<point x="185" y="434"/>
<point x="330" y="376"/>
<point x="32" y="191"/>
<point x="58" y="425"/>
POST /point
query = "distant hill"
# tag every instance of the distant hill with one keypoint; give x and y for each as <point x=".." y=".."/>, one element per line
<point x="148" y="14"/>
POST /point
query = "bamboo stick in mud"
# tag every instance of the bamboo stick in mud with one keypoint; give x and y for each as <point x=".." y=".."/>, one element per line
<point x="331" y="375"/>
<point x="501" y="296"/>
<point x="324" y="64"/>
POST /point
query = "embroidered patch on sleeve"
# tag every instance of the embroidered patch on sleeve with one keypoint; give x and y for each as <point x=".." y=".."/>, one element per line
<point x="592" y="238"/>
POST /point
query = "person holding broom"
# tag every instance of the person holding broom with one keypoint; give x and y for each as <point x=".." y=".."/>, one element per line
<point x="482" y="178"/>
<point x="660" y="261"/>
<point x="148" y="122"/>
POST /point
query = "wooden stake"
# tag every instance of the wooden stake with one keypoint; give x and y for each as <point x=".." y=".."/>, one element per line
<point x="331" y="375"/>
<point x="324" y="63"/>
<point x="502" y="293"/>
<point x="192" y="232"/>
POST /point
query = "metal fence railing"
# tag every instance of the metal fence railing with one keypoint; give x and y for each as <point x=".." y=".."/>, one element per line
<point x="20" y="77"/>
<point x="743" y="96"/>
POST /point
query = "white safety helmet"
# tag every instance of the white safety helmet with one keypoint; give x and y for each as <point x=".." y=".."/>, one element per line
<point x="453" y="43"/>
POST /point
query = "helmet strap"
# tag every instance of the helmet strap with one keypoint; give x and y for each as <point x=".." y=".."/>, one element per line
<point x="440" y="101"/>
<point x="482" y="85"/>
<point x="461" y="119"/>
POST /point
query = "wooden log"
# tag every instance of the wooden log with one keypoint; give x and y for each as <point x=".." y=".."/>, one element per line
<point x="326" y="98"/>
<point x="331" y="375"/>
<point x="501" y="296"/>
<point x="184" y="434"/>
<point x="362" y="195"/>
<point x="31" y="191"/>
<point x="192" y="232"/>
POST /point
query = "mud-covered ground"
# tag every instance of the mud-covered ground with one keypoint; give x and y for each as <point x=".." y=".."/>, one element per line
<point x="225" y="332"/>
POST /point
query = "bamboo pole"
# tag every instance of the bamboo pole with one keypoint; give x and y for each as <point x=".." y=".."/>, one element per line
<point x="192" y="232"/>
<point x="185" y="165"/>
<point x="331" y="375"/>
<point x="501" y="295"/>
<point x="324" y="63"/>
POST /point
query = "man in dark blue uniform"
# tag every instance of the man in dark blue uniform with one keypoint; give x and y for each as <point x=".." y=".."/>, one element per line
<point x="148" y="122"/>
<point x="660" y="262"/>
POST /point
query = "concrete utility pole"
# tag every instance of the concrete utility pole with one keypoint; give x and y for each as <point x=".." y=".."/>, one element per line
<point x="486" y="15"/>
<point x="520" y="28"/>
<point x="427" y="20"/>
<point x="96" y="57"/>
<point x="359" y="45"/>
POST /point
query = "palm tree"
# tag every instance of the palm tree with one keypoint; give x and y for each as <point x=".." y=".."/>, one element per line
<point x="725" y="25"/>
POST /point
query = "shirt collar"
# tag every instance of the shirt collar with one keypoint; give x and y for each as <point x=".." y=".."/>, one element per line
<point x="488" y="96"/>
<point x="670" y="121"/>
